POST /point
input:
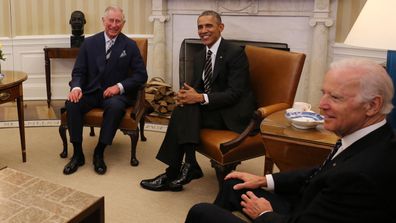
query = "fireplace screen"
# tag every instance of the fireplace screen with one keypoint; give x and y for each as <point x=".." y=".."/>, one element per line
<point x="190" y="47"/>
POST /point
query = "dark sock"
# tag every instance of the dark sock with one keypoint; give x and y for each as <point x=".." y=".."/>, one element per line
<point x="189" y="150"/>
<point x="99" y="149"/>
<point x="77" y="149"/>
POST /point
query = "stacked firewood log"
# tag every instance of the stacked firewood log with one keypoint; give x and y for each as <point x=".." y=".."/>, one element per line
<point x="160" y="96"/>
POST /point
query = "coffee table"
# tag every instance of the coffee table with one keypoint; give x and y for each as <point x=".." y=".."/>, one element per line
<point x="29" y="199"/>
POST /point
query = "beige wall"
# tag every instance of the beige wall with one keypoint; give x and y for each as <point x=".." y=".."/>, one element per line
<point x="51" y="17"/>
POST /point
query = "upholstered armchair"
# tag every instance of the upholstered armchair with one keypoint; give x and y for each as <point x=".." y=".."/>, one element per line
<point x="274" y="76"/>
<point x="129" y="125"/>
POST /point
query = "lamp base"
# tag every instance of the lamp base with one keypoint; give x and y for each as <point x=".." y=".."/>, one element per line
<point x="391" y="68"/>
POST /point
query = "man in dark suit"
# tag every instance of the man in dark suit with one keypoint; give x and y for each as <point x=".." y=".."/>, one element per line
<point x="355" y="183"/>
<point x="107" y="73"/>
<point x="218" y="97"/>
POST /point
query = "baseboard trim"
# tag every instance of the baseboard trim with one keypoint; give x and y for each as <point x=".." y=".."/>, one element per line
<point x="31" y="123"/>
<point x="52" y="123"/>
<point x="155" y="127"/>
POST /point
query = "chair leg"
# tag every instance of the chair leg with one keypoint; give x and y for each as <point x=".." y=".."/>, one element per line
<point x="222" y="171"/>
<point x="147" y="110"/>
<point x="134" y="135"/>
<point x="92" y="132"/>
<point x="142" y="136"/>
<point x="268" y="165"/>
<point x="62" y="133"/>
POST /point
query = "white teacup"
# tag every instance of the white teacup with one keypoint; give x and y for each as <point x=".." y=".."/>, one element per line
<point x="301" y="106"/>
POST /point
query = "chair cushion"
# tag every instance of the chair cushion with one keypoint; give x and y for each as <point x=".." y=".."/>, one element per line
<point x="94" y="118"/>
<point x="211" y="139"/>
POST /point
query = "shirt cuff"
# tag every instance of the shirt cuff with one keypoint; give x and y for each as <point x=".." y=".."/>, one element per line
<point x="76" y="88"/>
<point x="121" y="88"/>
<point x="206" y="100"/>
<point x="270" y="182"/>
<point x="264" y="212"/>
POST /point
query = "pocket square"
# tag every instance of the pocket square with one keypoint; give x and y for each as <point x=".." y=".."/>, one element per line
<point x="123" y="54"/>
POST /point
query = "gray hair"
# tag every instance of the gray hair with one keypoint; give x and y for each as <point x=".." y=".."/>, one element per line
<point x="374" y="80"/>
<point x="211" y="13"/>
<point x="114" y="8"/>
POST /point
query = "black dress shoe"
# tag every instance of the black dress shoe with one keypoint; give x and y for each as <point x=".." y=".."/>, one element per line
<point x="161" y="183"/>
<point x="99" y="165"/>
<point x="73" y="164"/>
<point x="188" y="172"/>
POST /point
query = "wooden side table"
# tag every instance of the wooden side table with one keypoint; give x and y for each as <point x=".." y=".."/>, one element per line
<point x="11" y="90"/>
<point x="55" y="53"/>
<point x="291" y="148"/>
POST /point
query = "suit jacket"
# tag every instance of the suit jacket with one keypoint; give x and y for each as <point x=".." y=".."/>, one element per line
<point x="125" y="65"/>
<point x="357" y="186"/>
<point x="231" y="94"/>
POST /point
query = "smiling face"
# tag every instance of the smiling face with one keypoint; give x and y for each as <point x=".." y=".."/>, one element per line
<point x="209" y="29"/>
<point x="113" y="22"/>
<point x="341" y="103"/>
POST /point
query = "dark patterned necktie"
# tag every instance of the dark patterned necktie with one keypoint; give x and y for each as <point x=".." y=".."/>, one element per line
<point x="208" y="73"/>
<point x="109" y="46"/>
<point x="328" y="159"/>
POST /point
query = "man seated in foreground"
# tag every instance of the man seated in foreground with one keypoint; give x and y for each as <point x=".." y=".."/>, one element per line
<point x="355" y="183"/>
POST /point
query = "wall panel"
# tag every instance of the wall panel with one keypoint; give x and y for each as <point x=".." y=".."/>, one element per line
<point x="51" y="17"/>
<point x="5" y="18"/>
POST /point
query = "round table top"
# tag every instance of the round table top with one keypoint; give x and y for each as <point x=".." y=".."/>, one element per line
<point x="12" y="78"/>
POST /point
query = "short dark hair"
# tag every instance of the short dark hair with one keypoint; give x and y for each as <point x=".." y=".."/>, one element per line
<point x="211" y="13"/>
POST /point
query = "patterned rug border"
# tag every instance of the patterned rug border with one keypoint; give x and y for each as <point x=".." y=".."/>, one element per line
<point x="53" y="123"/>
<point x="30" y="123"/>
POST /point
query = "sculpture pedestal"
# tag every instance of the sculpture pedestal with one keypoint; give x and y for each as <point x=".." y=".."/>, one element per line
<point x="76" y="41"/>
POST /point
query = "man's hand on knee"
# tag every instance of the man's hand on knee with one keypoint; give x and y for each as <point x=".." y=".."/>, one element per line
<point x="75" y="95"/>
<point x="111" y="91"/>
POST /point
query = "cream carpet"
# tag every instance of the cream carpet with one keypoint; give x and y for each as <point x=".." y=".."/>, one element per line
<point x="125" y="200"/>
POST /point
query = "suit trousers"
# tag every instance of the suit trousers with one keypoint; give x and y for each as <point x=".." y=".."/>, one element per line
<point x="114" y="110"/>
<point x="184" y="128"/>
<point x="229" y="200"/>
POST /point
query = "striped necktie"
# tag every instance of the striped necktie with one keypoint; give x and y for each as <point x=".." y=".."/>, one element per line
<point x="208" y="73"/>
<point x="328" y="159"/>
<point x="109" y="45"/>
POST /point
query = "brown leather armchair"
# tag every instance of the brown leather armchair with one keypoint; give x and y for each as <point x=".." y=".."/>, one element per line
<point x="274" y="76"/>
<point x="129" y="124"/>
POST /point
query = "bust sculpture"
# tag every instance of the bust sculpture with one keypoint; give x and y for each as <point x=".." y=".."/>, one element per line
<point x="77" y="22"/>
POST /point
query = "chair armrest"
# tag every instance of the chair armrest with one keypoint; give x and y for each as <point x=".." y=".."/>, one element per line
<point x="267" y="110"/>
<point x="254" y="123"/>
<point x="139" y="106"/>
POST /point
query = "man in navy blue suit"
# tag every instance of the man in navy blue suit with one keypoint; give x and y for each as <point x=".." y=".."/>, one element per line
<point x="354" y="183"/>
<point x="107" y="73"/>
